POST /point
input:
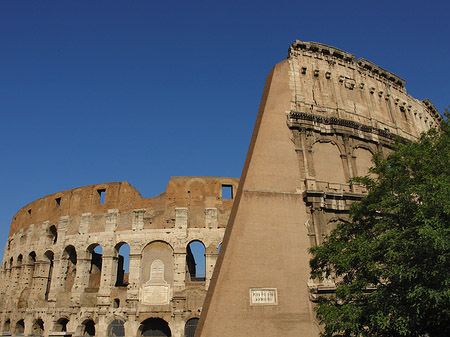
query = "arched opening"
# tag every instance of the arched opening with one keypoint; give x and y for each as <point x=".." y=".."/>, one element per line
<point x="328" y="164"/>
<point x="195" y="261"/>
<point x="38" y="327"/>
<point x="88" y="328"/>
<point x="20" y="327"/>
<point x="7" y="325"/>
<point x="123" y="264"/>
<point x="218" y="249"/>
<point x="161" y="272"/>
<point x="190" y="327"/>
<point x="61" y="325"/>
<point x="95" y="272"/>
<point x="155" y="327"/>
<point x="19" y="266"/>
<point x="53" y="234"/>
<point x="49" y="255"/>
<point x="70" y="259"/>
<point x="116" y="328"/>
<point x="116" y="303"/>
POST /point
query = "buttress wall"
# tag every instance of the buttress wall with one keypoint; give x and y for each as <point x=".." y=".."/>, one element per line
<point x="63" y="271"/>
<point x="322" y="116"/>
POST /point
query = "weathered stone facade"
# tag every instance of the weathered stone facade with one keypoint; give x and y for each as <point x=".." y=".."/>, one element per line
<point x="56" y="281"/>
<point x="322" y="116"/>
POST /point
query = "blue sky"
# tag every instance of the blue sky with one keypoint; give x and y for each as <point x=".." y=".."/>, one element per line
<point x="100" y="91"/>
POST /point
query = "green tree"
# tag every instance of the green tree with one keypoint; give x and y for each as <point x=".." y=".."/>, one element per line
<point x="391" y="260"/>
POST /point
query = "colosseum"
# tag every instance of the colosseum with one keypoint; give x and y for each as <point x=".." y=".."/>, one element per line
<point x="101" y="260"/>
<point x="63" y="271"/>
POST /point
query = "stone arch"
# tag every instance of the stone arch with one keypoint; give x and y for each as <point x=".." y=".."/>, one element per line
<point x="69" y="267"/>
<point x="95" y="271"/>
<point x="61" y="324"/>
<point x="157" y="250"/>
<point x="19" y="260"/>
<point x="52" y="234"/>
<point x="363" y="160"/>
<point x="38" y="327"/>
<point x="122" y="252"/>
<point x="195" y="261"/>
<point x="7" y="325"/>
<point x="154" y="327"/>
<point x="49" y="258"/>
<point x="190" y="327"/>
<point x="88" y="327"/>
<point x="328" y="165"/>
<point x="20" y="327"/>
<point x="116" y="328"/>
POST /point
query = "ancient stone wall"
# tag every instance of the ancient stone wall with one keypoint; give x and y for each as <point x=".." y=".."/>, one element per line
<point x="63" y="267"/>
<point x="322" y="116"/>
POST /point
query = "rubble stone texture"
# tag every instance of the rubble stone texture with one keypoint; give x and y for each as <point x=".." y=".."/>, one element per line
<point x="54" y="281"/>
<point x="322" y="116"/>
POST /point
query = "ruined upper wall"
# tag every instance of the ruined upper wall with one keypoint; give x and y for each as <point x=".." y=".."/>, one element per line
<point x="192" y="192"/>
<point x="329" y="81"/>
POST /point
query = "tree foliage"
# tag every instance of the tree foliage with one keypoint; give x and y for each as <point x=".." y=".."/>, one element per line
<point x="391" y="260"/>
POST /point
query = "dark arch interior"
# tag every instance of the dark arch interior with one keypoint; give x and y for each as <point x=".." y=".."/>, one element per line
<point x="61" y="325"/>
<point x="116" y="329"/>
<point x="89" y="328"/>
<point x="190" y="327"/>
<point x="155" y="327"/>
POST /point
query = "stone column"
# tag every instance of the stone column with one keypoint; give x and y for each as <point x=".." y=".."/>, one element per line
<point x="179" y="270"/>
<point x="57" y="278"/>
<point x="134" y="276"/>
<point x="210" y="262"/>
<point x="81" y="277"/>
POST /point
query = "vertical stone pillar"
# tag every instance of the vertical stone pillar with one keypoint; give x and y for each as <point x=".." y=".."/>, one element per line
<point x="211" y="217"/>
<point x="134" y="276"/>
<point x="138" y="220"/>
<point x="210" y="262"/>
<point x="179" y="270"/>
<point x="81" y="277"/>
<point x="58" y="278"/>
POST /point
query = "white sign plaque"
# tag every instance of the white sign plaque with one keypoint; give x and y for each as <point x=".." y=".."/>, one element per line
<point x="155" y="294"/>
<point x="263" y="296"/>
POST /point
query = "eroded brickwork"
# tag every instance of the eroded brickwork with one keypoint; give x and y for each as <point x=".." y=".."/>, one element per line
<point x="57" y="280"/>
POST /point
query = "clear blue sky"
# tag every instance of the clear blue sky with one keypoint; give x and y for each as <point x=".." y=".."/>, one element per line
<point x="100" y="91"/>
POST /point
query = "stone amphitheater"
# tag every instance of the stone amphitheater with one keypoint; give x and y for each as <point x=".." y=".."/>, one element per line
<point x="66" y="270"/>
<point x="57" y="281"/>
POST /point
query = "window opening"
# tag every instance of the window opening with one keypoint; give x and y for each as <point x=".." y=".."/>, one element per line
<point x="53" y="233"/>
<point x="116" y="303"/>
<point x="20" y="327"/>
<point x="227" y="192"/>
<point x="29" y="211"/>
<point x="190" y="327"/>
<point x="38" y="327"/>
<point x="101" y="194"/>
<point x="70" y="256"/>
<point x="58" y="203"/>
<point x="123" y="265"/>
<point x="155" y="327"/>
<point x="89" y="328"/>
<point x="49" y="256"/>
<point x="61" y="325"/>
<point x="7" y="325"/>
<point x="218" y="249"/>
<point x="116" y="328"/>
<point x="95" y="272"/>
<point x="195" y="261"/>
